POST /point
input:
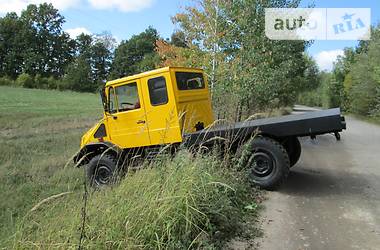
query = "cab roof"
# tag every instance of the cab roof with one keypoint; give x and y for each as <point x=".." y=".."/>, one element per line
<point x="151" y="72"/>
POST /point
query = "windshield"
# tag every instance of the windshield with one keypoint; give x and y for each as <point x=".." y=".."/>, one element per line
<point x="189" y="80"/>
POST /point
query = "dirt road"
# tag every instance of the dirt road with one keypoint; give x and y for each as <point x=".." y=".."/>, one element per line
<point x="332" y="197"/>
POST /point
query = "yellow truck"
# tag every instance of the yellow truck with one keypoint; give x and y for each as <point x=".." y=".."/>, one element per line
<point x="171" y="107"/>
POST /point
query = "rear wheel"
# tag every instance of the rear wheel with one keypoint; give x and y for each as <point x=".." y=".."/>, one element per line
<point x="266" y="161"/>
<point x="101" y="170"/>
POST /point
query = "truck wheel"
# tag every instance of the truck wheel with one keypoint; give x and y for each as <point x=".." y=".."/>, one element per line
<point x="267" y="162"/>
<point x="293" y="147"/>
<point x="101" y="170"/>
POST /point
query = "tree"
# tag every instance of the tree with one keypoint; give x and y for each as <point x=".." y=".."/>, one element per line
<point x="35" y="44"/>
<point x="171" y="55"/>
<point x="12" y="45"/>
<point x="136" y="54"/>
<point x="311" y="78"/>
<point x="241" y="62"/>
<point x="101" y="53"/>
<point x="365" y="90"/>
<point x="100" y="62"/>
<point x="97" y="52"/>
<point x="79" y="76"/>
<point x="50" y="49"/>
<point x="178" y="39"/>
<point x="83" y="45"/>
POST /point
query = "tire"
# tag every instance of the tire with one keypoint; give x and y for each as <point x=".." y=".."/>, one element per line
<point x="101" y="170"/>
<point x="293" y="147"/>
<point x="266" y="162"/>
<point x="337" y="136"/>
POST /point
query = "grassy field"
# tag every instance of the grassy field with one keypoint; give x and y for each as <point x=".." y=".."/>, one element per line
<point x="187" y="202"/>
<point x="40" y="130"/>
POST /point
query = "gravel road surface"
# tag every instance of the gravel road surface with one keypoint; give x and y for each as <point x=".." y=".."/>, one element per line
<point x="331" y="199"/>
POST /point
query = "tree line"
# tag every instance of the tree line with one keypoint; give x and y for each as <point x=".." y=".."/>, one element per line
<point x="354" y="83"/>
<point x="247" y="72"/>
<point x="35" y="52"/>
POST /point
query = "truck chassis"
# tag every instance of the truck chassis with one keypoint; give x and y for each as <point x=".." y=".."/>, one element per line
<point x="265" y="148"/>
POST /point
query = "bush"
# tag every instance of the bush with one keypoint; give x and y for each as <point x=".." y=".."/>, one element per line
<point x="363" y="98"/>
<point x="312" y="98"/>
<point x="6" y="81"/>
<point x="177" y="204"/>
<point x="376" y="111"/>
<point x="52" y="83"/>
<point x="320" y="96"/>
<point x="25" y="80"/>
<point x="41" y="82"/>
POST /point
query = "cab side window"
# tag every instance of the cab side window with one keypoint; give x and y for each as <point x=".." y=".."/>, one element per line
<point x="127" y="97"/>
<point x="189" y="80"/>
<point x="158" y="93"/>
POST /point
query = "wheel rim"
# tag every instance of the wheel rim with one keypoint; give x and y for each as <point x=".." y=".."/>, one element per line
<point x="262" y="164"/>
<point x="103" y="175"/>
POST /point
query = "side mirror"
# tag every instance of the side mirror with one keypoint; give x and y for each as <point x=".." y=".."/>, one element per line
<point x="104" y="100"/>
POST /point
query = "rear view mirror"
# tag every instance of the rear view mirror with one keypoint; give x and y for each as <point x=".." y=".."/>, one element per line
<point x="104" y="100"/>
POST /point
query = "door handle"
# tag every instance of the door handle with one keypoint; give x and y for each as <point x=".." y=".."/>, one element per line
<point x="140" y="122"/>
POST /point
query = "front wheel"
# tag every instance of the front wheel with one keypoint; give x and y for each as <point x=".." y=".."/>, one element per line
<point x="101" y="170"/>
<point x="266" y="161"/>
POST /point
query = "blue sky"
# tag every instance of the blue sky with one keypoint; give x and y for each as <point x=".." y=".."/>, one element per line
<point x="123" y="18"/>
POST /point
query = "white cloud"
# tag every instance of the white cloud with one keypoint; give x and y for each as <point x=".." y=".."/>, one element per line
<point x="77" y="31"/>
<point x="19" y="5"/>
<point x="122" y="5"/>
<point x="325" y="59"/>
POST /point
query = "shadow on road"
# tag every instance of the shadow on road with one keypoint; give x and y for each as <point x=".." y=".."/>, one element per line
<point x="312" y="183"/>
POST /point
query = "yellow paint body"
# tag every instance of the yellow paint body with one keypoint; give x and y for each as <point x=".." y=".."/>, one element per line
<point x="148" y="123"/>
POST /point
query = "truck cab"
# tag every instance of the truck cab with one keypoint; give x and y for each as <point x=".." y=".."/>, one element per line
<point x="152" y="108"/>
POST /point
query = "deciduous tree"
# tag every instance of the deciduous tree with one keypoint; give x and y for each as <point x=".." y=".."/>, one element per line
<point x="136" y="54"/>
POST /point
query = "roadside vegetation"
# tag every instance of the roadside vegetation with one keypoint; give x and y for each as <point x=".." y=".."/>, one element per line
<point x="354" y="83"/>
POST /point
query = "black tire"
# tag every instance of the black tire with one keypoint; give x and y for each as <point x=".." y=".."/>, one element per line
<point x="266" y="161"/>
<point x="337" y="136"/>
<point x="294" y="149"/>
<point x="101" y="170"/>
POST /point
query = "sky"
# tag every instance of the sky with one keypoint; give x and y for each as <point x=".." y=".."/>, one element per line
<point x="124" y="18"/>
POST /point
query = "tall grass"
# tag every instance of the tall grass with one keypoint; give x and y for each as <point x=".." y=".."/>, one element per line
<point x="190" y="201"/>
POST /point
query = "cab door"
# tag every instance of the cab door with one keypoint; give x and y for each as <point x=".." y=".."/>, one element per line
<point x="127" y="123"/>
<point x="161" y="109"/>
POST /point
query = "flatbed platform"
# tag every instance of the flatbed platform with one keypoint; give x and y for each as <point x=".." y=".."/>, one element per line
<point x="308" y="124"/>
